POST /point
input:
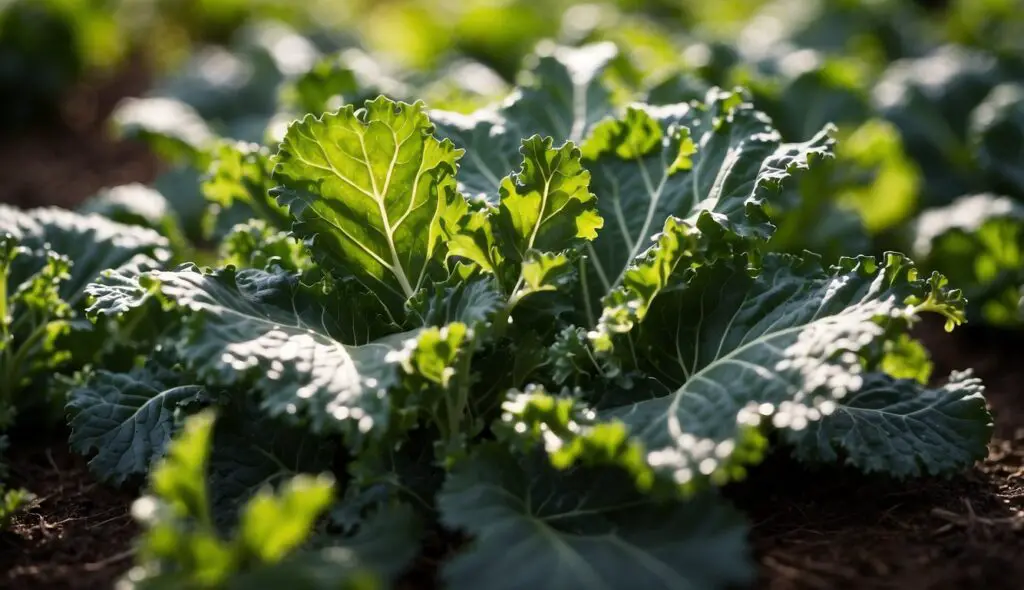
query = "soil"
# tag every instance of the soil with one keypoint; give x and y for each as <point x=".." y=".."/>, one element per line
<point x="76" y="155"/>
<point x="825" y="529"/>
<point x="834" y="528"/>
<point x="77" y="533"/>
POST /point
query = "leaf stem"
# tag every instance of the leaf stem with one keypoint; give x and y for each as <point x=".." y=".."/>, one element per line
<point x="458" y="403"/>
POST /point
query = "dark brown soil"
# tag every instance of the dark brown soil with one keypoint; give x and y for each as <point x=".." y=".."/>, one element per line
<point x="76" y="156"/>
<point x="76" y="534"/>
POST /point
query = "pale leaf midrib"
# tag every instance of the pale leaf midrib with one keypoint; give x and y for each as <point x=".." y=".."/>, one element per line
<point x="396" y="264"/>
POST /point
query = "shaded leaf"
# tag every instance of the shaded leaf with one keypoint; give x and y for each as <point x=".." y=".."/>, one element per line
<point x="535" y="527"/>
<point x="894" y="426"/>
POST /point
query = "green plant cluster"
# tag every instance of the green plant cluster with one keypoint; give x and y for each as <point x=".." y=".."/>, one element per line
<point x="555" y="309"/>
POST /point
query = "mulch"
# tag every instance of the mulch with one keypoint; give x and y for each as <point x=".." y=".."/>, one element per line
<point x="813" y="529"/>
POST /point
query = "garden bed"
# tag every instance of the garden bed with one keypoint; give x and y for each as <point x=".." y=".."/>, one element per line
<point x="814" y="530"/>
<point x="821" y="528"/>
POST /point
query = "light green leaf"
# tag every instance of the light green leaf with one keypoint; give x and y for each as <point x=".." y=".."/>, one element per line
<point x="543" y="271"/>
<point x="546" y="206"/>
<point x="714" y="164"/>
<point x="568" y="431"/>
<point x="906" y="358"/>
<point x="978" y="242"/>
<point x="181" y="547"/>
<point x="367" y="190"/>
<point x="258" y="245"/>
<point x="179" y="479"/>
<point x="545" y="212"/>
<point x="674" y="250"/>
<point x="894" y="426"/>
<point x="33" y="318"/>
<point x="11" y="503"/>
<point x="474" y="240"/>
<point x="381" y="548"/>
<point x="275" y="524"/>
<point x="874" y="150"/>
<point x="240" y="174"/>
<point x="535" y="527"/>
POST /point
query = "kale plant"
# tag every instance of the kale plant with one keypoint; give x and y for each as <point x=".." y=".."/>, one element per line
<point x="553" y="325"/>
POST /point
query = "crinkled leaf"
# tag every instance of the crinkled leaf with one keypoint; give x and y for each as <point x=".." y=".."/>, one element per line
<point x="711" y="164"/>
<point x="307" y="361"/>
<point x="894" y="426"/>
<point x="92" y="242"/>
<point x="240" y="175"/>
<point x="256" y="244"/>
<point x="729" y="346"/>
<point x="545" y="211"/>
<point x="869" y="188"/>
<point x="546" y="272"/>
<point x="126" y="419"/>
<point x="546" y="206"/>
<point x="562" y="97"/>
<point x="367" y="190"/>
<point x="569" y="432"/>
<point x="536" y="527"/>
<point x="473" y="302"/>
<point x="674" y="250"/>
